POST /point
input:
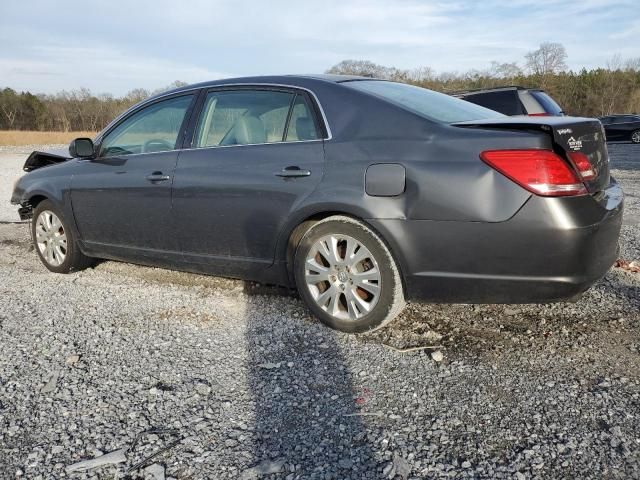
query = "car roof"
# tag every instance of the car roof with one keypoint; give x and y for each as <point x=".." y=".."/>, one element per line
<point x="294" y="80"/>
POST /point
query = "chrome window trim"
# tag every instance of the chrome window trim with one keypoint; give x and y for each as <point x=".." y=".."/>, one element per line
<point x="226" y="85"/>
<point x="209" y="148"/>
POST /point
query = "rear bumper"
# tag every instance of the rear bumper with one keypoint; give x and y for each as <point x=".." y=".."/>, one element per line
<point x="553" y="249"/>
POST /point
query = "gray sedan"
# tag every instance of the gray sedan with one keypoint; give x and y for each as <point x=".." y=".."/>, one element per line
<point x="360" y="193"/>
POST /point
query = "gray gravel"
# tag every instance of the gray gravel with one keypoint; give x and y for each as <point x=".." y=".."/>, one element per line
<point x="250" y="386"/>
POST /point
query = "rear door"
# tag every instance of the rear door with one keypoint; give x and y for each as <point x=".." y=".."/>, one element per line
<point x="256" y="153"/>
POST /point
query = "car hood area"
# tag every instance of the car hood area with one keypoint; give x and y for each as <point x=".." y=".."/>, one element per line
<point x="39" y="159"/>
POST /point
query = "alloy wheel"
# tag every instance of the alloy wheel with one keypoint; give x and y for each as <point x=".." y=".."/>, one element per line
<point x="635" y="136"/>
<point x="51" y="238"/>
<point x="343" y="277"/>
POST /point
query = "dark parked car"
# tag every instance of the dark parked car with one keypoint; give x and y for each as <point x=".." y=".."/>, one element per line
<point x="361" y="193"/>
<point x="622" y="127"/>
<point x="514" y="101"/>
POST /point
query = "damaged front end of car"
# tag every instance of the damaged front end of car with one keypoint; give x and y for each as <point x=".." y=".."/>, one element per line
<point x="43" y="159"/>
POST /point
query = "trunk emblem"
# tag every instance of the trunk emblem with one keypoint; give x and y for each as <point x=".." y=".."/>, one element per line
<point x="574" y="144"/>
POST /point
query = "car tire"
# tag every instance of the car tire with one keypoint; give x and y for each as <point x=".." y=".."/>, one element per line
<point x="635" y="136"/>
<point x="54" y="242"/>
<point x="347" y="276"/>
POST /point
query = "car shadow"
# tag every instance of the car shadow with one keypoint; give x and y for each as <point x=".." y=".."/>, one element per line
<point x="306" y="422"/>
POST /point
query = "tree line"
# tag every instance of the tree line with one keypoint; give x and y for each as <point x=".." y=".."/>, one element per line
<point x="596" y="92"/>
<point x="614" y="88"/>
<point x="74" y="110"/>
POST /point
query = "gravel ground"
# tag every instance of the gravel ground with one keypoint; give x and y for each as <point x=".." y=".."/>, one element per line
<point x="248" y="385"/>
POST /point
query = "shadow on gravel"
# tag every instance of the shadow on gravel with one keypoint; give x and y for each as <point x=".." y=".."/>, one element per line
<point x="305" y="404"/>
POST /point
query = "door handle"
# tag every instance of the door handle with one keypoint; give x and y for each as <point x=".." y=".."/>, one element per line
<point x="293" y="171"/>
<point x="157" y="177"/>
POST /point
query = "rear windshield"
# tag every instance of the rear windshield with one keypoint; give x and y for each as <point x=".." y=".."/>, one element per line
<point x="548" y="103"/>
<point x="426" y="103"/>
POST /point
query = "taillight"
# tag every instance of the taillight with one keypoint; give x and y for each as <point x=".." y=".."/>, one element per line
<point x="582" y="163"/>
<point x="539" y="171"/>
<point x="543" y="114"/>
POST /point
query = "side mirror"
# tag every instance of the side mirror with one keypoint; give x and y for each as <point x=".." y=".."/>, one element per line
<point x="81" y="148"/>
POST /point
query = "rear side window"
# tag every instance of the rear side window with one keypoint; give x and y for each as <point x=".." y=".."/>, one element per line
<point x="248" y="117"/>
<point x="426" y="103"/>
<point x="548" y="103"/>
<point x="243" y="117"/>
<point x="301" y="124"/>
<point x="505" y="101"/>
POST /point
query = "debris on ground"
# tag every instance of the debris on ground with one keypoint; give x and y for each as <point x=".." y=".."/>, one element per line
<point x="437" y="356"/>
<point x="117" y="456"/>
<point x="155" y="471"/>
<point x="266" y="467"/>
<point x="51" y="383"/>
<point x="72" y="359"/>
<point x="633" y="267"/>
<point x="398" y="467"/>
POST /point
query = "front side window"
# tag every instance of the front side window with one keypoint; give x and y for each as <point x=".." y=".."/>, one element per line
<point x="153" y="129"/>
<point x="426" y="103"/>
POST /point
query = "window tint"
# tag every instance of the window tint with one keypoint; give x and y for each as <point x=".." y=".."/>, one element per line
<point x="426" y="103"/>
<point x="548" y="103"/>
<point x="301" y="124"/>
<point x="152" y="129"/>
<point x="242" y="117"/>
<point x="506" y="101"/>
<point x="530" y="104"/>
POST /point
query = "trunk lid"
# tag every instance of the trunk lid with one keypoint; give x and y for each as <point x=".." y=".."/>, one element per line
<point x="570" y="136"/>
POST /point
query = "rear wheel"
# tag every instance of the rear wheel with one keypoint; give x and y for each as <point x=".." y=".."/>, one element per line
<point x="635" y="136"/>
<point x="347" y="276"/>
<point x="54" y="241"/>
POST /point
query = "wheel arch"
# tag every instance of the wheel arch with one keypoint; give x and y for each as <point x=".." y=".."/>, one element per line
<point x="35" y="199"/>
<point x="296" y="230"/>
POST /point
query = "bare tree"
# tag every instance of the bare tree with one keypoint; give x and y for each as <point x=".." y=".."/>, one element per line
<point x="548" y="59"/>
<point x="9" y="104"/>
<point x="421" y="74"/>
<point x="365" y="68"/>
<point x="505" y="70"/>
<point x="632" y="65"/>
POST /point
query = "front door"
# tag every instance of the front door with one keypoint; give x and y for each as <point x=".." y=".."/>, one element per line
<point x="255" y="155"/>
<point x="122" y="198"/>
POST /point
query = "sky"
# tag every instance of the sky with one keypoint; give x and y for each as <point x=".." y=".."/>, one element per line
<point x="114" y="46"/>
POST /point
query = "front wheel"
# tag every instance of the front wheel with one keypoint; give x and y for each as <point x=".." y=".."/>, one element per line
<point x="54" y="241"/>
<point x="347" y="276"/>
<point x="635" y="136"/>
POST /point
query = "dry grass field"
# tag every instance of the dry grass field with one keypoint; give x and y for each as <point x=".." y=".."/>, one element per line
<point x="26" y="137"/>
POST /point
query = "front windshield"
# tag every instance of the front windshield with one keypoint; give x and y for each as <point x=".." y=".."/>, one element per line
<point x="426" y="103"/>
